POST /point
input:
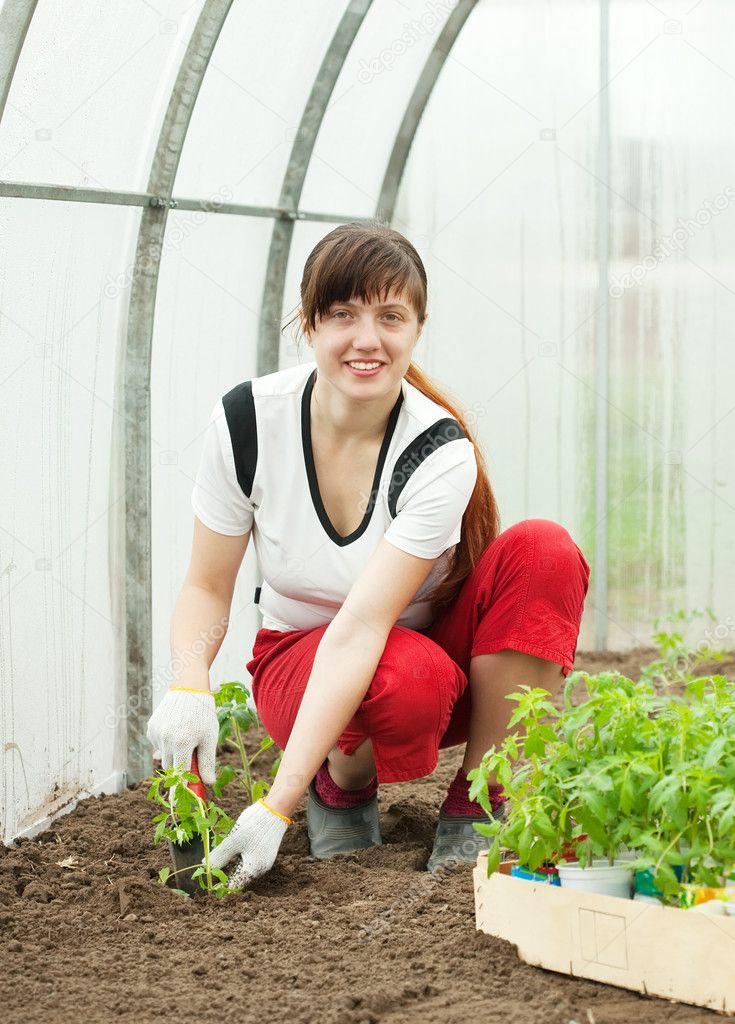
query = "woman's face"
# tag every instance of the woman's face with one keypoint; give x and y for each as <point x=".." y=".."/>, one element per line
<point x="364" y="348"/>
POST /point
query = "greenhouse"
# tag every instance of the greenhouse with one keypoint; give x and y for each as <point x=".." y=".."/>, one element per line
<point x="429" y="300"/>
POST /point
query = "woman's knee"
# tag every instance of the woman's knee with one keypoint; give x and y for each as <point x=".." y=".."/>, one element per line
<point x="415" y="680"/>
<point x="551" y="546"/>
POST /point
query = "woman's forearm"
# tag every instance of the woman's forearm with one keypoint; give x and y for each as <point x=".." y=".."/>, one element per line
<point x="198" y="626"/>
<point x="343" y="668"/>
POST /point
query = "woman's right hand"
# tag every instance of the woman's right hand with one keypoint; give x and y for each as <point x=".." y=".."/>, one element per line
<point x="184" y="721"/>
<point x="253" y="844"/>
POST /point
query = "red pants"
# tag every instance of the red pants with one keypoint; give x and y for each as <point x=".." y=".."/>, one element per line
<point x="526" y="593"/>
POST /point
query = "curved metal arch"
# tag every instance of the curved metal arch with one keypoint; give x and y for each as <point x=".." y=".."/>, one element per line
<point x="415" y="108"/>
<point x="15" y="20"/>
<point x="131" y="450"/>
<point x="293" y="183"/>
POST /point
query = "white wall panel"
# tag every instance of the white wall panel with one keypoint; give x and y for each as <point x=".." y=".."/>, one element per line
<point x="497" y="199"/>
<point x="59" y="735"/>
<point x="91" y="89"/>
<point x="500" y="197"/>
<point x="672" y="374"/>
<point x="360" y="124"/>
<point x="251" y="101"/>
<point x="204" y="344"/>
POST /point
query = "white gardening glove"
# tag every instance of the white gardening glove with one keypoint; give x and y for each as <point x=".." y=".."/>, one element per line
<point x="184" y="721"/>
<point x="255" y="839"/>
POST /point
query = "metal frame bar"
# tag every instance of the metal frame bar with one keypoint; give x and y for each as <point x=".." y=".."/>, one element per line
<point x="293" y="183"/>
<point x="76" y="194"/>
<point x="15" y="20"/>
<point x="602" y="337"/>
<point x="131" y="453"/>
<point x="415" y="108"/>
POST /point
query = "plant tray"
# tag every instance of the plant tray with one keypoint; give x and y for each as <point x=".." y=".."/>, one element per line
<point x="661" y="951"/>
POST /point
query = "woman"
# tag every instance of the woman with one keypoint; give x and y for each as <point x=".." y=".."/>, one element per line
<point x="396" y="616"/>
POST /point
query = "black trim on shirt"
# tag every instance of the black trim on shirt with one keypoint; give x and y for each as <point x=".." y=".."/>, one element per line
<point x="413" y="455"/>
<point x="311" y="469"/>
<point x="239" y="407"/>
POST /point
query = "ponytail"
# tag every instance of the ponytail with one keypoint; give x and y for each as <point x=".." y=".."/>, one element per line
<point x="481" y="520"/>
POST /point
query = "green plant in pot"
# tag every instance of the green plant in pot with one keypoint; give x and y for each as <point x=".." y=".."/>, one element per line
<point x="534" y="767"/>
<point x="647" y="778"/>
<point x="570" y="779"/>
<point x="686" y="832"/>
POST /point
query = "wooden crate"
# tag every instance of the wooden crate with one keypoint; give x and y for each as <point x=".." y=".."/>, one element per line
<point x="676" y="954"/>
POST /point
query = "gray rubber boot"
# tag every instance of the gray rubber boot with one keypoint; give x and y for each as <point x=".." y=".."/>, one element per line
<point x="457" y="842"/>
<point x="334" y="830"/>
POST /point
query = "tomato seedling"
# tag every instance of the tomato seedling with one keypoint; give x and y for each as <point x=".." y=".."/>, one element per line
<point x="622" y="766"/>
<point x="186" y="817"/>
<point x="236" y="718"/>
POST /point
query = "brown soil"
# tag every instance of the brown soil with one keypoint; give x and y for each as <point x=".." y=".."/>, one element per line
<point x="87" y="933"/>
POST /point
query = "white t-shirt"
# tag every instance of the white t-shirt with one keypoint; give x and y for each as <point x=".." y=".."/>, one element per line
<point x="257" y="473"/>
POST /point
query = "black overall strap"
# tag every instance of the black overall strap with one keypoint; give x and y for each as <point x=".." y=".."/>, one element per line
<point x="416" y="452"/>
<point x="239" y="409"/>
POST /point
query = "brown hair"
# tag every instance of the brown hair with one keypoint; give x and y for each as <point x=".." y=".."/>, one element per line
<point x="367" y="261"/>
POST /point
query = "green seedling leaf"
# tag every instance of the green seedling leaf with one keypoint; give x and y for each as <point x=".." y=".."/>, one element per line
<point x="525" y="841"/>
<point x="225" y="776"/>
<point x="487" y="828"/>
<point x="543" y="826"/>
<point x="161" y="830"/>
<point x="493" y="858"/>
<point x="259" y="790"/>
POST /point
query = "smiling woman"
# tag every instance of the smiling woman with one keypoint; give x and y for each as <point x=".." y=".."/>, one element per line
<point x="395" y="614"/>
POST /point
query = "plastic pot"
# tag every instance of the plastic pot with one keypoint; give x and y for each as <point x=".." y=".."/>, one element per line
<point x="548" y="876"/>
<point x="645" y="885"/>
<point x="600" y="877"/>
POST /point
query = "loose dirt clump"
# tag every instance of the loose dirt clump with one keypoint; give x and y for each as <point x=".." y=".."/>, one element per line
<point x="87" y="932"/>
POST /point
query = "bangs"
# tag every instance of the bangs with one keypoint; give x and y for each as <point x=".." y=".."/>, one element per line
<point x="367" y="268"/>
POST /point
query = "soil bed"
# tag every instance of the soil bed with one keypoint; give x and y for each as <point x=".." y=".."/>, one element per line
<point x="87" y="933"/>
